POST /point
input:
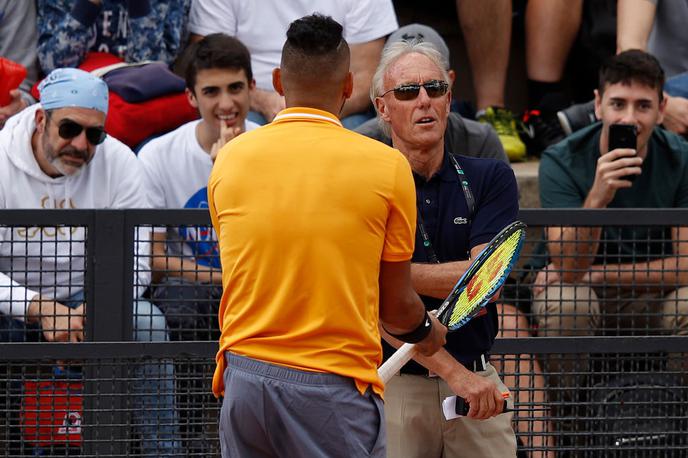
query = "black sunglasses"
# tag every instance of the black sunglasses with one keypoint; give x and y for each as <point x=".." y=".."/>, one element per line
<point x="434" y="88"/>
<point x="69" y="129"/>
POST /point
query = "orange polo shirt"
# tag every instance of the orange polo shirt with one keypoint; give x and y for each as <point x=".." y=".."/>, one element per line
<point x="305" y="210"/>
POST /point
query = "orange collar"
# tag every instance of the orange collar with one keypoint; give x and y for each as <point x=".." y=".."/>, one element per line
<point x="306" y="114"/>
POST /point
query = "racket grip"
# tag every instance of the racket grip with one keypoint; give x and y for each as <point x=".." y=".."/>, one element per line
<point x="462" y="407"/>
<point x="402" y="356"/>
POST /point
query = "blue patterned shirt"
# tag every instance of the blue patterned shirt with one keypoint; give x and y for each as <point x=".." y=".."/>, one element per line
<point x="133" y="30"/>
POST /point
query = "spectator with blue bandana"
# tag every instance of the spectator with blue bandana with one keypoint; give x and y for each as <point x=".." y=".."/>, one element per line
<point x="56" y="154"/>
<point x="133" y="30"/>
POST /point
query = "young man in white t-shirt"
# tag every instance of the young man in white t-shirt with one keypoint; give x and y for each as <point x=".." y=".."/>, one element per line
<point x="186" y="282"/>
<point x="186" y="269"/>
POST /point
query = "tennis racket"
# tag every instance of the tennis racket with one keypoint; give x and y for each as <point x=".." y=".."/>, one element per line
<point x="472" y="292"/>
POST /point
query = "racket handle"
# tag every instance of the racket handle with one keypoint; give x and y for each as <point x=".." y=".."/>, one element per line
<point x="462" y="407"/>
<point x="402" y="356"/>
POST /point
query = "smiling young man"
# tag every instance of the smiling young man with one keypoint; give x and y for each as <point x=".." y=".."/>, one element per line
<point x="611" y="279"/>
<point x="621" y="275"/>
<point x="186" y="267"/>
<point x="177" y="165"/>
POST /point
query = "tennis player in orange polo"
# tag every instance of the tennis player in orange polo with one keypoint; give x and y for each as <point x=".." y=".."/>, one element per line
<point x="316" y="229"/>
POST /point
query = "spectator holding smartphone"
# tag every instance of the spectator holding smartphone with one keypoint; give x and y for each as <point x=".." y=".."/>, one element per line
<point x="616" y="280"/>
<point x="629" y="279"/>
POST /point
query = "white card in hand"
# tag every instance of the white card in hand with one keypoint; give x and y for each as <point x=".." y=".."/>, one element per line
<point x="449" y="408"/>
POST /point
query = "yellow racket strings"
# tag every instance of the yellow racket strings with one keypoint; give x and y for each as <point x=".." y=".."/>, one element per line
<point x="485" y="279"/>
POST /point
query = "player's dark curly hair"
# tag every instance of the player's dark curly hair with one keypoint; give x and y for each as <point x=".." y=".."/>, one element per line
<point x="314" y="35"/>
<point x="314" y="45"/>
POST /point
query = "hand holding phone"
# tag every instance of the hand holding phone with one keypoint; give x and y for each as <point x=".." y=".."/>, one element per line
<point x="623" y="136"/>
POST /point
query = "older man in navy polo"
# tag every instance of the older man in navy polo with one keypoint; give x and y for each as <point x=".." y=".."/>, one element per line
<point x="462" y="204"/>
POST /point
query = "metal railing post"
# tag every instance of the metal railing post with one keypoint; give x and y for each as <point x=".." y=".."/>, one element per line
<point x="108" y="312"/>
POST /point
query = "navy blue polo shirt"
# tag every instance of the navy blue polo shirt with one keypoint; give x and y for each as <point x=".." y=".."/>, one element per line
<point x="443" y="209"/>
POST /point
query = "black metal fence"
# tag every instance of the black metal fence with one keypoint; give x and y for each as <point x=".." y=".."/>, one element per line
<point x="603" y="390"/>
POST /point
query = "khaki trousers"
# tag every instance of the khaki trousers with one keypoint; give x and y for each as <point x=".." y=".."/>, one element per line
<point x="579" y="310"/>
<point x="416" y="427"/>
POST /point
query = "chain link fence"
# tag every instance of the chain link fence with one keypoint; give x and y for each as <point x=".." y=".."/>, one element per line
<point x="595" y="371"/>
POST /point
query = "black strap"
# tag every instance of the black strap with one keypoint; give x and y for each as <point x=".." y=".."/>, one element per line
<point x="470" y="202"/>
<point x="427" y="244"/>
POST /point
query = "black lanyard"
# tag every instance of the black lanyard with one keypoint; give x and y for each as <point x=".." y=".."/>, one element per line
<point x="470" y="202"/>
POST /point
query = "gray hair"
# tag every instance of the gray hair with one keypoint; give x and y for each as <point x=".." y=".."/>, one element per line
<point x="390" y="54"/>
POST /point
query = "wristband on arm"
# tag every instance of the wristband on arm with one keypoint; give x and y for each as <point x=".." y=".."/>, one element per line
<point x="419" y="333"/>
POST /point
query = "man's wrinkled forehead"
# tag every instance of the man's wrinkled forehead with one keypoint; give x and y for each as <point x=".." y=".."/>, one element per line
<point x="412" y="68"/>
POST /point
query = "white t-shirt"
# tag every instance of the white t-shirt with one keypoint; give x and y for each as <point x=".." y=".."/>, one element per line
<point x="176" y="171"/>
<point x="262" y="24"/>
<point x="51" y="260"/>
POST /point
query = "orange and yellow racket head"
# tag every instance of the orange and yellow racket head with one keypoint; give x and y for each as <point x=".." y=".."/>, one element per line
<point x="484" y="277"/>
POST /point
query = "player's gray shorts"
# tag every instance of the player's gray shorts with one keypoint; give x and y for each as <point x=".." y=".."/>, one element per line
<point x="276" y="411"/>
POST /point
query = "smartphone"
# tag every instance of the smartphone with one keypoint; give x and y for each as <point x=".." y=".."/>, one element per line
<point x="623" y="136"/>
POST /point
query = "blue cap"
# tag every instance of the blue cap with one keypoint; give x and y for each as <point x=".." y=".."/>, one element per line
<point x="71" y="87"/>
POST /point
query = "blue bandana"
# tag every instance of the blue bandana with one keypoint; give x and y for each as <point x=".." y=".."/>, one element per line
<point x="71" y="87"/>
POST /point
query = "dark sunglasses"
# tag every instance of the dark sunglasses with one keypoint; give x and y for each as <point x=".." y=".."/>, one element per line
<point x="69" y="129"/>
<point x="434" y="88"/>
